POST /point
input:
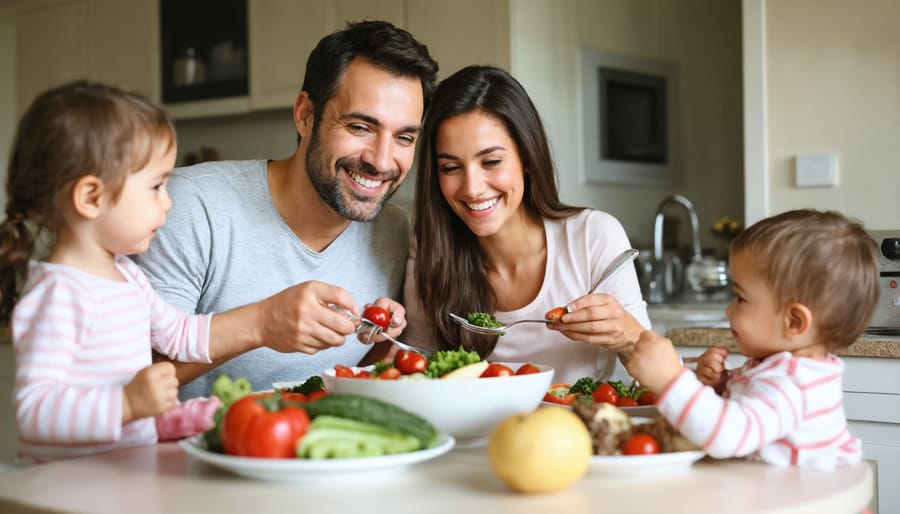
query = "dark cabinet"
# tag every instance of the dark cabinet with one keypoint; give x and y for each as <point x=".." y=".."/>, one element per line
<point x="203" y="49"/>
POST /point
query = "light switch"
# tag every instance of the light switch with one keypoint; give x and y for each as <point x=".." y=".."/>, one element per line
<point x="816" y="169"/>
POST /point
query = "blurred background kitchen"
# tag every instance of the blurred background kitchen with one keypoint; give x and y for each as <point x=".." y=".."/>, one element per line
<point x="745" y="108"/>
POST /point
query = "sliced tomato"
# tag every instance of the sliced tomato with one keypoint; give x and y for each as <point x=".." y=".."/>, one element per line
<point x="315" y="395"/>
<point x="527" y="369"/>
<point x="559" y="393"/>
<point x="555" y="314"/>
<point x="495" y="369"/>
<point x="363" y="373"/>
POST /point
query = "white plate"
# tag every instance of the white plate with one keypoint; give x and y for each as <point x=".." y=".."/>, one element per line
<point x="292" y="470"/>
<point x="641" y="464"/>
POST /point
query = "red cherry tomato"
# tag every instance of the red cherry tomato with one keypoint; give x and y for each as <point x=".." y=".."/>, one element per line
<point x="647" y="398"/>
<point x="555" y="314"/>
<point x="605" y="393"/>
<point x="378" y="315"/>
<point x="363" y="373"/>
<point x="625" y="401"/>
<point x="640" y="444"/>
<point x="497" y="370"/>
<point x="527" y="369"/>
<point x="343" y="371"/>
<point x="390" y="374"/>
<point x="410" y="362"/>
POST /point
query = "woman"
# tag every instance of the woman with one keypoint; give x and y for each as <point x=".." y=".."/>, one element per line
<point x="492" y="236"/>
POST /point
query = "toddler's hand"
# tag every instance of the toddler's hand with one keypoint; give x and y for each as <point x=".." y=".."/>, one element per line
<point x="711" y="367"/>
<point x="654" y="362"/>
<point x="152" y="391"/>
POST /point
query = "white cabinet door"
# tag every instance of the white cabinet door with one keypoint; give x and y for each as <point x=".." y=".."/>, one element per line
<point x="123" y="44"/>
<point x="281" y="34"/>
<point x="462" y="32"/>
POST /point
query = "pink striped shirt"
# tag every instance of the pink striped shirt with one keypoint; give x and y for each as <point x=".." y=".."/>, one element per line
<point x="78" y="340"/>
<point x="784" y="410"/>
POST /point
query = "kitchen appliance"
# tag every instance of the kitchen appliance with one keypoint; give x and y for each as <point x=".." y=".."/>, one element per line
<point x="886" y="319"/>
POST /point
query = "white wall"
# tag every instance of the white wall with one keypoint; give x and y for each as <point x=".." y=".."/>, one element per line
<point x="833" y="85"/>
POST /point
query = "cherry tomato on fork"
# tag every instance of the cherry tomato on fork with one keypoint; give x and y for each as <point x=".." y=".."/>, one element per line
<point x="555" y="314"/>
<point x="378" y="315"/>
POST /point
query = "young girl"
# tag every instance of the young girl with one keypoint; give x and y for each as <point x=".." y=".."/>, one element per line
<point x="805" y="284"/>
<point x="492" y="236"/>
<point x="88" y="167"/>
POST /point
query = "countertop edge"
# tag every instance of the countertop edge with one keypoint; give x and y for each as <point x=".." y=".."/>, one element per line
<point x="880" y="347"/>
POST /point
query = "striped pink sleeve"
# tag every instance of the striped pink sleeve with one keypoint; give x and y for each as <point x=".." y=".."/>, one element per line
<point x="768" y="409"/>
<point x="54" y="404"/>
<point x="179" y="335"/>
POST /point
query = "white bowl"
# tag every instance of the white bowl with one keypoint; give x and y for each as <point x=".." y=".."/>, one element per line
<point x="467" y="409"/>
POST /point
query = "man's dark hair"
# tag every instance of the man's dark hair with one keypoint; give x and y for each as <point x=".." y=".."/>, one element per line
<point x="381" y="43"/>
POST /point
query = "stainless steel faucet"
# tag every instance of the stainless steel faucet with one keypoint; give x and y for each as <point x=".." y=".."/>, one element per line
<point x="657" y="291"/>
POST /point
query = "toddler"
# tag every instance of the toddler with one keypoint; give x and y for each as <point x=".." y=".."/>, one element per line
<point x="805" y="284"/>
<point x="88" y="167"/>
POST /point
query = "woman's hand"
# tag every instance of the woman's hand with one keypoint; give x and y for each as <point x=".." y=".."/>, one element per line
<point x="601" y="320"/>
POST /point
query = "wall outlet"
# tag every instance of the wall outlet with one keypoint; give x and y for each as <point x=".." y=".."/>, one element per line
<point x="816" y="169"/>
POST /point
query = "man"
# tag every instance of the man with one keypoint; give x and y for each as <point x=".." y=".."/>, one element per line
<point x="271" y="244"/>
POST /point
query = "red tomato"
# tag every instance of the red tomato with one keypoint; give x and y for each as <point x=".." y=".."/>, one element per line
<point x="559" y="393"/>
<point x="343" y="371"/>
<point x="315" y="395"/>
<point x="497" y="370"/>
<point x="605" y="393"/>
<point x="527" y="369"/>
<point x="235" y="422"/>
<point x="378" y="315"/>
<point x="640" y="444"/>
<point x="390" y="374"/>
<point x="263" y="426"/>
<point x="647" y="398"/>
<point x="274" y="434"/>
<point x="625" y="401"/>
<point x="410" y="362"/>
<point x="555" y="314"/>
<point x="294" y="397"/>
<point x="363" y="373"/>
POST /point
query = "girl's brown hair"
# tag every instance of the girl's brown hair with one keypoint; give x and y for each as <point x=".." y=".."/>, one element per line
<point x="822" y="260"/>
<point x="449" y="266"/>
<point x="77" y="129"/>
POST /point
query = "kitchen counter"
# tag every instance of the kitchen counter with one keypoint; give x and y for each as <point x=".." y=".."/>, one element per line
<point x="885" y="347"/>
<point x="165" y="479"/>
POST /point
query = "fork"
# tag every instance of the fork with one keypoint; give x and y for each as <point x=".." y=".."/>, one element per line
<point x="370" y="330"/>
<point x="492" y="331"/>
<point x="618" y="263"/>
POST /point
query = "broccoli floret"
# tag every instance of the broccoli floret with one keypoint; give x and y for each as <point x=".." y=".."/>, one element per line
<point x="313" y="383"/>
<point x="483" y="319"/>
<point x="446" y="361"/>
<point x="584" y="385"/>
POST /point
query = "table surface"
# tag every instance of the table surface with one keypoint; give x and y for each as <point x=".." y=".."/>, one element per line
<point x="165" y="479"/>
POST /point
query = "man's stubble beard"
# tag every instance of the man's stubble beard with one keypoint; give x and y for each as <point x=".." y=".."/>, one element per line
<point x="348" y="204"/>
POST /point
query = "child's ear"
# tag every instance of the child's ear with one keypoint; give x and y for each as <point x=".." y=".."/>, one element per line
<point x="87" y="196"/>
<point x="797" y="320"/>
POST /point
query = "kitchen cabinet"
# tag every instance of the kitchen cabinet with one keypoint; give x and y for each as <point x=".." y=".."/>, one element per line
<point x="104" y="40"/>
<point x="872" y="403"/>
